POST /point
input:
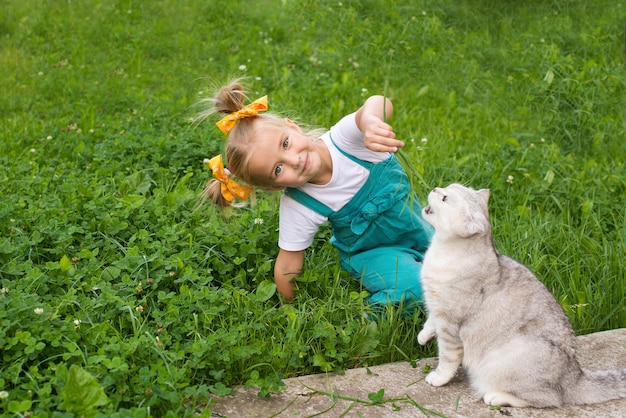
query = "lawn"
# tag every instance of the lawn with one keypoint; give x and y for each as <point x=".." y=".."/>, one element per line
<point x="120" y="297"/>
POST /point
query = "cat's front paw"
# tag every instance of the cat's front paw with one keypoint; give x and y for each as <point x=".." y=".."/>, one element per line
<point x="425" y="335"/>
<point x="438" y="378"/>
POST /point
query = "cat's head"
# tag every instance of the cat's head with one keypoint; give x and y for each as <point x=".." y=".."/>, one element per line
<point x="458" y="211"/>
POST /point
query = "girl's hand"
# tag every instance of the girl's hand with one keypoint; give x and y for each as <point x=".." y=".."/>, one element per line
<point x="378" y="135"/>
<point x="288" y="266"/>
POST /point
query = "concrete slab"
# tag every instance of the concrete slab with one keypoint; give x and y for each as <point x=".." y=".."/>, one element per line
<point x="407" y="395"/>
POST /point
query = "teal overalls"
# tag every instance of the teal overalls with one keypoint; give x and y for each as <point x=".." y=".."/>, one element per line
<point x="380" y="233"/>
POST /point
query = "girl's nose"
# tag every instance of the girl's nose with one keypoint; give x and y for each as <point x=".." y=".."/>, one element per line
<point x="293" y="159"/>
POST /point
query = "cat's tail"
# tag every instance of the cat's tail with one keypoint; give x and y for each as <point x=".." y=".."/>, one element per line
<point x="597" y="387"/>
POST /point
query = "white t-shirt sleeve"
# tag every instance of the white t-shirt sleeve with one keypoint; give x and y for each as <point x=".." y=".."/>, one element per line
<point x="297" y="225"/>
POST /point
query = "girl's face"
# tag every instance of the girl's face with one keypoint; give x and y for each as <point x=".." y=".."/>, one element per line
<point x="284" y="157"/>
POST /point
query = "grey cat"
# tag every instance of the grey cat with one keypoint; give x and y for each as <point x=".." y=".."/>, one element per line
<point x="493" y="316"/>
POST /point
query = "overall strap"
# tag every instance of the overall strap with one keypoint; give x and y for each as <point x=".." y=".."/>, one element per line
<point x="308" y="201"/>
<point x="365" y="164"/>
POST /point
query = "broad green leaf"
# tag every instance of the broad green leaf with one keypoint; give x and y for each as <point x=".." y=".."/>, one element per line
<point x="137" y="183"/>
<point x="65" y="264"/>
<point x="133" y="201"/>
<point x="111" y="273"/>
<point x="19" y="406"/>
<point x="82" y="393"/>
<point x="265" y="290"/>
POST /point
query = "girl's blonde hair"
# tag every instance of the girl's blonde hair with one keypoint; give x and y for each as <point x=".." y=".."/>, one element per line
<point x="229" y="99"/>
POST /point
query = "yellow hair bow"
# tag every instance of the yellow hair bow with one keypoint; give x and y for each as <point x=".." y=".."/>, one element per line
<point x="230" y="188"/>
<point x="228" y="122"/>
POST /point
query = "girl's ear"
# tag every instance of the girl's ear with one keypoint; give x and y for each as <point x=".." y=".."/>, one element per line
<point x="292" y="125"/>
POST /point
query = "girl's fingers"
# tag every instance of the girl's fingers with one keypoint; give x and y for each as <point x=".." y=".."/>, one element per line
<point x="381" y="138"/>
<point x="385" y="145"/>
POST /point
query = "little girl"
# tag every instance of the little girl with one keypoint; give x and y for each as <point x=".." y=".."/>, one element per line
<point x="348" y="176"/>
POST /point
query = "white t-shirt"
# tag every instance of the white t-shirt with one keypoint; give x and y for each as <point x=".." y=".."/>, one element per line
<point x="299" y="224"/>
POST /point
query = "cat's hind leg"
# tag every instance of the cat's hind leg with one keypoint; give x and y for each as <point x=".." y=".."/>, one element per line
<point x="504" y="399"/>
<point x="450" y="358"/>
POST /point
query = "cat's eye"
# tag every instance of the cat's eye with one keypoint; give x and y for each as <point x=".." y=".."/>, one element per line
<point x="444" y="198"/>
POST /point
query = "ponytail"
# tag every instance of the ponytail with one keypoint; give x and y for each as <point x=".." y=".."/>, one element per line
<point x="227" y="99"/>
<point x="213" y="192"/>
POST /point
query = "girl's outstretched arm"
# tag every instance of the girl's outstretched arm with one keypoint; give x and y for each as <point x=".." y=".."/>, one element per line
<point x="288" y="266"/>
<point x="377" y="134"/>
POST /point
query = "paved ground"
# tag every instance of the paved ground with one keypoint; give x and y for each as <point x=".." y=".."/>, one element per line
<point x="332" y="395"/>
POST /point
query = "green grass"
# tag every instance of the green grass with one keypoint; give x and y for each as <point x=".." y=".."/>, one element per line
<point x="114" y="287"/>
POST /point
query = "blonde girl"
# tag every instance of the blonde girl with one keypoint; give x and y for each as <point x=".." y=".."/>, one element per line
<point x="348" y="176"/>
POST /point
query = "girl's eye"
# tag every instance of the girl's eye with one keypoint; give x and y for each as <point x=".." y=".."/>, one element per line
<point x="277" y="170"/>
<point x="286" y="143"/>
<point x="444" y="198"/>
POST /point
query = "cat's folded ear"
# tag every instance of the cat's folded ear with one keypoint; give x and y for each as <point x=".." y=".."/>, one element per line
<point x="477" y="222"/>
<point x="484" y="193"/>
